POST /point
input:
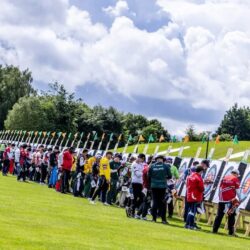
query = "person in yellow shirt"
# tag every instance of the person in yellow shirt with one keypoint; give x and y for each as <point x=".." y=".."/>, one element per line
<point x="87" y="171"/>
<point x="104" y="179"/>
<point x="73" y="171"/>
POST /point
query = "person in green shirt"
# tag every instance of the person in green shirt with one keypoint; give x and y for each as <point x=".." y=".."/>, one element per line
<point x="114" y="166"/>
<point x="171" y="187"/>
<point x="158" y="174"/>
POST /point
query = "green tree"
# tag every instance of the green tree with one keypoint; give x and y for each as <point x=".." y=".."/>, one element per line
<point x="66" y="108"/>
<point x="14" y="84"/>
<point x="133" y="123"/>
<point x="236" y="121"/>
<point x="190" y="131"/>
<point x="29" y="114"/>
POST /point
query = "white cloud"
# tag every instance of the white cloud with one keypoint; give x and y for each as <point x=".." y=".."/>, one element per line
<point x="202" y="56"/>
<point x="176" y="127"/>
<point x="120" y="8"/>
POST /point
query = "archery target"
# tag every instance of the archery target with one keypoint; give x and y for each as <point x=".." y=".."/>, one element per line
<point x="245" y="189"/>
<point x="227" y="171"/>
<point x="185" y="164"/>
<point x="211" y="175"/>
<point x="182" y="169"/>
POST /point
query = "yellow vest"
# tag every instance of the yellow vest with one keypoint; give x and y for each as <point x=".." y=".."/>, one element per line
<point x="105" y="168"/>
<point x="74" y="163"/>
<point x="87" y="167"/>
<point x="92" y="160"/>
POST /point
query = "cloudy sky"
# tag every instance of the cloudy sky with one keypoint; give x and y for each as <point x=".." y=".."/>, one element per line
<point x="181" y="61"/>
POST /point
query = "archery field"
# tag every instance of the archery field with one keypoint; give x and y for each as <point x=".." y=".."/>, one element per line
<point x="35" y="217"/>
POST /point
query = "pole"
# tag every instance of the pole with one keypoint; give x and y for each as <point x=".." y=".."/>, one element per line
<point x="208" y="135"/>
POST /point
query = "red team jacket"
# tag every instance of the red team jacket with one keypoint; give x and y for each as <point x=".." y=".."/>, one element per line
<point x="67" y="160"/>
<point x="23" y="156"/>
<point x="6" y="153"/>
<point x="145" y="181"/>
<point x="228" y="187"/>
<point x="195" y="188"/>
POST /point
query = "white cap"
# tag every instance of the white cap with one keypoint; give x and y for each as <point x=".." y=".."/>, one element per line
<point x="235" y="171"/>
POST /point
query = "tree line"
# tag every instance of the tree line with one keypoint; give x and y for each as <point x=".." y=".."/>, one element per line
<point x="24" y="108"/>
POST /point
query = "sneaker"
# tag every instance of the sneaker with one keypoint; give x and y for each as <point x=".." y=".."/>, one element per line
<point x="137" y="217"/>
<point x="234" y="235"/>
<point x="92" y="202"/>
<point x="187" y="227"/>
<point x="197" y="227"/>
<point x="165" y="223"/>
<point x="127" y="212"/>
<point x="106" y="204"/>
<point x="144" y="218"/>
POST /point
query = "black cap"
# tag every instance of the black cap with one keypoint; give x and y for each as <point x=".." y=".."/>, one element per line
<point x="72" y="149"/>
<point x="160" y="157"/>
<point x="142" y="156"/>
<point x="118" y="156"/>
<point x="199" y="169"/>
<point x="206" y="162"/>
<point x="195" y="163"/>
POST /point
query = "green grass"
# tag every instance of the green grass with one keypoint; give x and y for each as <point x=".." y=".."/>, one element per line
<point x="220" y="149"/>
<point x="35" y="217"/>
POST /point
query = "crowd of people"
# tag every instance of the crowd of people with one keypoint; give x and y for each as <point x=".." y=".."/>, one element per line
<point x="144" y="187"/>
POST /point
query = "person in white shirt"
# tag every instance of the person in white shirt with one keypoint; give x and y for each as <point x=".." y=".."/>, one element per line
<point x="17" y="160"/>
<point x="136" y="175"/>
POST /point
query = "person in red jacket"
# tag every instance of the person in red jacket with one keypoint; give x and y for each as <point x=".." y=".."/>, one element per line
<point x="6" y="159"/>
<point x="66" y="169"/>
<point x="227" y="199"/>
<point x="195" y="189"/>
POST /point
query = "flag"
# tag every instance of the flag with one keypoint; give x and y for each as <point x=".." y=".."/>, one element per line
<point x="24" y="132"/>
<point x="111" y="137"/>
<point x="88" y="136"/>
<point x="203" y="140"/>
<point x="173" y="139"/>
<point x="95" y="137"/>
<point x="48" y="134"/>
<point x="40" y="133"/>
<point x="217" y="140"/>
<point x="76" y="134"/>
<point x="120" y="137"/>
<point x="53" y="134"/>
<point x="63" y="135"/>
<point x="151" y="138"/>
<point x="81" y="135"/>
<point x="103" y="136"/>
<point x="36" y="133"/>
<point x="186" y="139"/>
<point x="235" y="140"/>
<point x="141" y="138"/>
<point x="162" y="138"/>
<point x="44" y="134"/>
<point x="130" y="138"/>
<point x="69" y="135"/>
<point x="59" y="134"/>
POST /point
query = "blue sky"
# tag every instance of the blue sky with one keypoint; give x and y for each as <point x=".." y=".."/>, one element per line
<point x="183" y="62"/>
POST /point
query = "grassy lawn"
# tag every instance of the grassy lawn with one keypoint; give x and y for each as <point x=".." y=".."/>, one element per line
<point x="35" y="217"/>
<point x="220" y="149"/>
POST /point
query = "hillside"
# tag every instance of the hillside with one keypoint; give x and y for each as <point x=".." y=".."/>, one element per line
<point x="220" y="149"/>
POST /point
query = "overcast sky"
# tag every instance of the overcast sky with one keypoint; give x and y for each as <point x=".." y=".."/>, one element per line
<point x="181" y="61"/>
